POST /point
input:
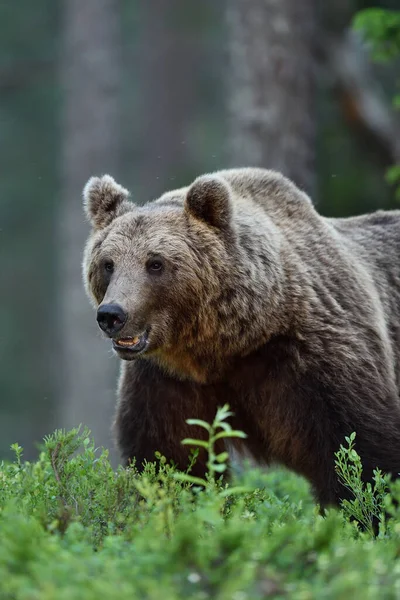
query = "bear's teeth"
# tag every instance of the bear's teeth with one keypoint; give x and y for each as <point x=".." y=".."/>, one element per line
<point x="128" y="341"/>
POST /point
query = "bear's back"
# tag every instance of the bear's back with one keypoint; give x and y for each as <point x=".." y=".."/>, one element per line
<point x="373" y="240"/>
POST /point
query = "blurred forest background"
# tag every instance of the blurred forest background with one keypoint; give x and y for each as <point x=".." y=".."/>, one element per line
<point x="156" y="93"/>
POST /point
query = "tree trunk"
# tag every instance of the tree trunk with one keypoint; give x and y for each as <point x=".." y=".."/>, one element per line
<point x="272" y="86"/>
<point x="169" y="58"/>
<point x="90" y="73"/>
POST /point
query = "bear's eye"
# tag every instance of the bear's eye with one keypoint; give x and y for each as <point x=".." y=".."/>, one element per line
<point x="109" y="266"/>
<point x="154" y="265"/>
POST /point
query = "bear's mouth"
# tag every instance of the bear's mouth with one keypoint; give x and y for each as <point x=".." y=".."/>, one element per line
<point x="131" y="345"/>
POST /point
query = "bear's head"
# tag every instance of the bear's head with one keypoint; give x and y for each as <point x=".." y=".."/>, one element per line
<point x="169" y="279"/>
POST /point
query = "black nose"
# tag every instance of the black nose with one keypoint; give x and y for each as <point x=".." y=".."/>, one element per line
<point x="111" y="318"/>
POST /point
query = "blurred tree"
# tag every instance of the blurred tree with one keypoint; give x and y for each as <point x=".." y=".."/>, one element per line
<point x="173" y="102"/>
<point x="28" y="147"/>
<point x="272" y="85"/>
<point x="90" y="74"/>
<point x="166" y="68"/>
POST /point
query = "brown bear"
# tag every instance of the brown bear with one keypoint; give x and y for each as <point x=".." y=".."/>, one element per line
<point x="235" y="290"/>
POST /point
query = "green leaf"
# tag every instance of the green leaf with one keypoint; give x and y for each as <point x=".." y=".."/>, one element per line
<point x="235" y="491"/>
<point x="190" y="479"/>
<point x="222" y="457"/>
<point x="230" y="434"/>
<point x="193" y="442"/>
<point x="396" y="102"/>
<point x="393" y="174"/>
<point x="225" y="426"/>
<point x="199" y="422"/>
<point x="219" y="468"/>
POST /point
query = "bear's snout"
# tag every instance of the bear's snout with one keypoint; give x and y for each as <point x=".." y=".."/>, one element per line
<point x="111" y="318"/>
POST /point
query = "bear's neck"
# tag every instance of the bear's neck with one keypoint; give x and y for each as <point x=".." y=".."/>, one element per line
<point x="209" y="359"/>
<point x="185" y="366"/>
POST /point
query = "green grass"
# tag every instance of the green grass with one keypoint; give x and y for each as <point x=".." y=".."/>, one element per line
<point x="73" y="528"/>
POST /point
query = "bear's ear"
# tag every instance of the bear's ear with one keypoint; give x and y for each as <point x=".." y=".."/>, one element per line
<point x="103" y="200"/>
<point x="209" y="200"/>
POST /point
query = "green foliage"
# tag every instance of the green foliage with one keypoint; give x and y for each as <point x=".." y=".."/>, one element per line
<point x="72" y="527"/>
<point x="393" y="177"/>
<point x="219" y="429"/>
<point x="382" y="30"/>
<point x="29" y="101"/>
<point x="367" y="507"/>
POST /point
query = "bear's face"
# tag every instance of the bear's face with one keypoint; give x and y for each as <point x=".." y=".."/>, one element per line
<point x="159" y="274"/>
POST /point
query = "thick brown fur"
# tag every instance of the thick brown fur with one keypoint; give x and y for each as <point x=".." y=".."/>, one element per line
<point x="291" y="318"/>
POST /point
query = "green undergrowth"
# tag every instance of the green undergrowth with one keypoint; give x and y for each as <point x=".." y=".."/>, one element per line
<point x="71" y="527"/>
